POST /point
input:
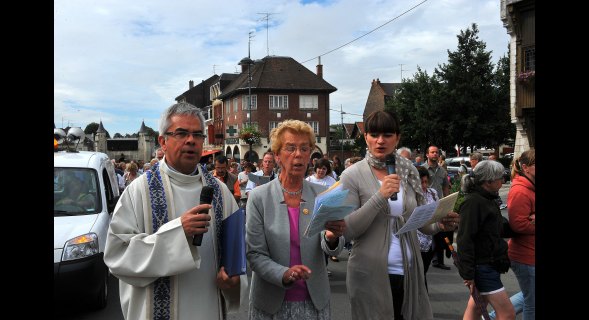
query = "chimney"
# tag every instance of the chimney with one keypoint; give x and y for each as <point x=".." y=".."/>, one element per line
<point x="320" y="69"/>
<point x="190" y="84"/>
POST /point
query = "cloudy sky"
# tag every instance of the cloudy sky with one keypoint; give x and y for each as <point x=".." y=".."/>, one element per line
<point x="124" y="62"/>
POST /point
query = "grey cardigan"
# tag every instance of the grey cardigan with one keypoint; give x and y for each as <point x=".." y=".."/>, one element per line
<point x="370" y="227"/>
<point x="268" y="246"/>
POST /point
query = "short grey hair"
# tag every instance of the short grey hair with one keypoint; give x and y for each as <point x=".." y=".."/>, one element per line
<point x="180" y="108"/>
<point x="486" y="170"/>
<point x="400" y="150"/>
<point x="476" y="156"/>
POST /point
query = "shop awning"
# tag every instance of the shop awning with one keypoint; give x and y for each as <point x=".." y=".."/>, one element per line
<point x="207" y="152"/>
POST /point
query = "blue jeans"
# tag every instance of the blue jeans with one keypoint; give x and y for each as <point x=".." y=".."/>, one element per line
<point x="517" y="300"/>
<point x="526" y="277"/>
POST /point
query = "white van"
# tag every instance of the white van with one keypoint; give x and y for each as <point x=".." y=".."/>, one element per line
<point x="85" y="192"/>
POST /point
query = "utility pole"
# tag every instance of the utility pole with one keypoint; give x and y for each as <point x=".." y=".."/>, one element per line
<point x="342" y="112"/>
<point x="249" y="63"/>
<point x="343" y="130"/>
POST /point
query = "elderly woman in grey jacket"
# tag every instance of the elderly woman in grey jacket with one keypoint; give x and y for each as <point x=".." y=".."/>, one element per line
<point x="289" y="275"/>
<point x="385" y="278"/>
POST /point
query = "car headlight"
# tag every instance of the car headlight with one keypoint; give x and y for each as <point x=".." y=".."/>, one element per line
<point x="81" y="247"/>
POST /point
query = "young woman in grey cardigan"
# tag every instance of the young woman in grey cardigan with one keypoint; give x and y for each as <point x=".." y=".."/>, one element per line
<point x="382" y="280"/>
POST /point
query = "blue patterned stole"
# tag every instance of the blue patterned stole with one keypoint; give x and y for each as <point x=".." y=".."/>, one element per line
<point x="159" y="216"/>
<point x="162" y="300"/>
<point x="217" y="207"/>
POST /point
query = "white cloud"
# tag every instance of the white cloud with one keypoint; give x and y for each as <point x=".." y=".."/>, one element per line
<point x="124" y="62"/>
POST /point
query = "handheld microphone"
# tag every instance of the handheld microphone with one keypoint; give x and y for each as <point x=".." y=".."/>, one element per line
<point x="206" y="197"/>
<point x="390" y="162"/>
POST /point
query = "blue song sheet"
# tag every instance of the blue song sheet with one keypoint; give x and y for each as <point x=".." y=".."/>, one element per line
<point x="328" y="207"/>
<point x="233" y="256"/>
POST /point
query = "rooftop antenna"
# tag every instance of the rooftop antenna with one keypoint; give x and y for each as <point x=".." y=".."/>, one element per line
<point x="249" y="41"/>
<point x="215" y="65"/>
<point x="267" y="17"/>
<point x="401" y="64"/>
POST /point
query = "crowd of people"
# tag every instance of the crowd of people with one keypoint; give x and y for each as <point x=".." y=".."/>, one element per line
<point x="163" y="274"/>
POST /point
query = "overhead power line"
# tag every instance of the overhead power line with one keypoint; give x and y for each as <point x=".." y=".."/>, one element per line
<point x="369" y="32"/>
<point x="345" y="112"/>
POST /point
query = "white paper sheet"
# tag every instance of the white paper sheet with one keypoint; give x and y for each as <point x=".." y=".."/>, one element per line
<point x="429" y="213"/>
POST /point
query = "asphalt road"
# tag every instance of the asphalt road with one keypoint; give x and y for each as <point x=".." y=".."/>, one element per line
<point x="448" y="295"/>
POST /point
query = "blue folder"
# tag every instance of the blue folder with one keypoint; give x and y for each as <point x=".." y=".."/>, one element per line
<point x="233" y="257"/>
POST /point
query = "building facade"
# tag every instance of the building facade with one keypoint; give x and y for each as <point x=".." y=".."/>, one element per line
<point x="380" y="93"/>
<point x="281" y="88"/>
<point x="126" y="149"/>
<point x="518" y="18"/>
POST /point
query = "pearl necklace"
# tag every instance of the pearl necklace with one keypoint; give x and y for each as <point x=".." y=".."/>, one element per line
<point x="291" y="193"/>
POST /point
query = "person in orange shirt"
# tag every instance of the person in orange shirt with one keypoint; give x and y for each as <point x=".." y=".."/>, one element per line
<point x="521" y="206"/>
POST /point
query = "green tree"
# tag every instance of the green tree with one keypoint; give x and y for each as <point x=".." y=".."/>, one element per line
<point x="504" y="128"/>
<point x="360" y="145"/>
<point x="91" y="129"/>
<point x="419" y="108"/>
<point x="468" y="80"/>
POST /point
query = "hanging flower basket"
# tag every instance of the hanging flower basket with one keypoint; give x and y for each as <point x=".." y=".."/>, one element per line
<point x="527" y="77"/>
<point x="250" y="135"/>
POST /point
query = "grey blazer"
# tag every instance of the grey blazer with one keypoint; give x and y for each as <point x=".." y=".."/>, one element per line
<point x="268" y="246"/>
<point x="370" y="226"/>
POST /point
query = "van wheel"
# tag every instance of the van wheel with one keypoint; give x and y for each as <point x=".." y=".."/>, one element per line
<point x="102" y="298"/>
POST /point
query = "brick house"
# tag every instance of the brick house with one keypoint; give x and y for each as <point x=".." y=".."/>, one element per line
<point x="201" y="96"/>
<point x="380" y="93"/>
<point x="281" y="88"/>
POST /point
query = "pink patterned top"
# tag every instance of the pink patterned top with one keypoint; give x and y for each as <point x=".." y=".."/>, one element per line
<point x="298" y="291"/>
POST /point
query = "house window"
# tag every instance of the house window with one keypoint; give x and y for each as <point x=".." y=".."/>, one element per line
<point x="253" y="124"/>
<point x="530" y="58"/>
<point x="227" y="108"/>
<point x="245" y="101"/>
<point x="272" y="125"/>
<point x="314" y="125"/>
<point x="235" y="108"/>
<point x="308" y="102"/>
<point x="278" y="102"/>
<point x="215" y="91"/>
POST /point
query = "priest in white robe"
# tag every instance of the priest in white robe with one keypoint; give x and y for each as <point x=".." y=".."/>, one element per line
<point x="162" y="275"/>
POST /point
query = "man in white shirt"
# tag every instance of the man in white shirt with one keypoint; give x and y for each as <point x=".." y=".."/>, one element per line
<point x="267" y="170"/>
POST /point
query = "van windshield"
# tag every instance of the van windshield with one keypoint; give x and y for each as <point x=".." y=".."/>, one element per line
<point x="75" y="192"/>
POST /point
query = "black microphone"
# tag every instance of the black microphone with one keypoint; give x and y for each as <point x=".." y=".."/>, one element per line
<point x="206" y="197"/>
<point x="390" y="162"/>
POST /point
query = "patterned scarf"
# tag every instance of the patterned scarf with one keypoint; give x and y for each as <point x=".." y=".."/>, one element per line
<point x="375" y="162"/>
<point x="405" y="169"/>
<point x="162" y="287"/>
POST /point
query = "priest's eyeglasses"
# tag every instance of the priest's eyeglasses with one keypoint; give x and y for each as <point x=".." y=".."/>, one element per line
<point x="183" y="134"/>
